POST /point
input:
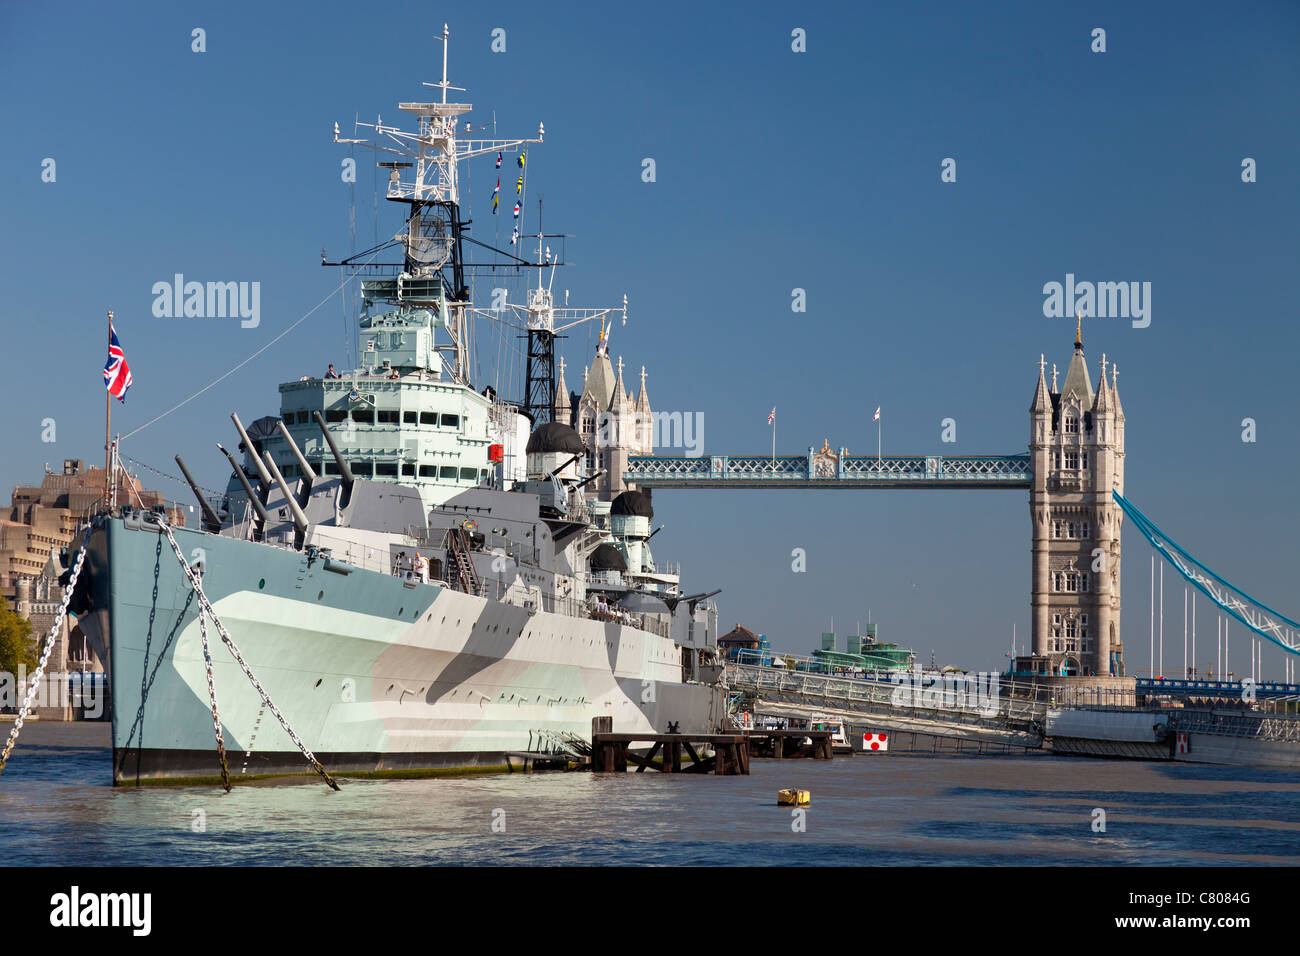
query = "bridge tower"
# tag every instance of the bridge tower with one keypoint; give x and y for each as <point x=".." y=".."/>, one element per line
<point x="1076" y="445"/>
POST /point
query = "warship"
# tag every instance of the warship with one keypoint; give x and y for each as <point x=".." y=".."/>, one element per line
<point x="420" y="574"/>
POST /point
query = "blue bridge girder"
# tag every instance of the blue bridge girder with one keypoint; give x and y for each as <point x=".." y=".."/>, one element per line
<point x="1261" y="619"/>
<point x="813" y="471"/>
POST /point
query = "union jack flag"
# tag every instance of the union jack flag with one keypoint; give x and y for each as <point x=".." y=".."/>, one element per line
<point x="117" y="374"/>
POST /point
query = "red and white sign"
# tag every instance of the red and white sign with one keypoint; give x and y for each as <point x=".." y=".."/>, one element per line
<point x="875" y="742"/>
<point x="1182" y="743"/>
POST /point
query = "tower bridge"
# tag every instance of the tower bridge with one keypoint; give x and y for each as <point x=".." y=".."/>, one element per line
<point x="1074" y="472"/>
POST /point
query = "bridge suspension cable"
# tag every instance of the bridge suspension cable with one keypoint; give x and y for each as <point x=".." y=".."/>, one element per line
<point x="1258" y="617"/>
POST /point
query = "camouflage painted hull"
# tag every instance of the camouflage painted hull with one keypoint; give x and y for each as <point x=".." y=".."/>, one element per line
<point x="372" y="673"/>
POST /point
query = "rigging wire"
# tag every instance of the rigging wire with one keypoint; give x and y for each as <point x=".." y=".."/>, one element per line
<point x="162" y="474"/>
<point x="225" y="375"/>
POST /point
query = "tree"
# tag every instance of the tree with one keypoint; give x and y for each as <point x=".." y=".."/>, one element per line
<point x="17" y="647"/>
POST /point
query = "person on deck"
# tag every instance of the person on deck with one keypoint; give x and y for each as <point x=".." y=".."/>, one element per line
<point x="332" y="374"/>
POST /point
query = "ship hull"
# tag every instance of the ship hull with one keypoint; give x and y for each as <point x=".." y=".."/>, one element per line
<point x="371" y="673"/>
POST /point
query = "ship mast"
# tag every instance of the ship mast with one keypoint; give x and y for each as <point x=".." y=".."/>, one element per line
<point x="434" y="239"/>
<point x="540" y="316"/>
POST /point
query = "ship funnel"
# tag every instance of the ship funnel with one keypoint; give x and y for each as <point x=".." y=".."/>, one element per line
<point x="253" y="498"/>
<point x="344" y="470"/>
<point x="299" y="519"/>
<point x="210" y="520"/>
<point x="252" y="451"/>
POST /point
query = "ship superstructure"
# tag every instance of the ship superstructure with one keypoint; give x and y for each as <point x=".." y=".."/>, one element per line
<point x="422" y="574"/>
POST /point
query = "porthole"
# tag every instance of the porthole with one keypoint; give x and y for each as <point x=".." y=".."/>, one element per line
<point x="261" y="584"/>
<point x="320" y="595"/>
<point x="319" y="680"/>
<point x="401" y="611"/>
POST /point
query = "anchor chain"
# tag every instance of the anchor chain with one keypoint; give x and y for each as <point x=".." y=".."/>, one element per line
<point x="212" y="696"/>
<point x="205" y="606"/>
<point x="34" y="683"/>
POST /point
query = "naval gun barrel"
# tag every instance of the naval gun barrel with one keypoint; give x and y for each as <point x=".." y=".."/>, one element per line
<point x="252" y="451"/>
<point x="564" y="466"/>
<point x="299" y="519"/>
<point x="344" y="470"/>
<point x="308" y="472"/>
<point x="253" y="498"/>
<point x="587" y="481"/>
<point x="209" y="516"/>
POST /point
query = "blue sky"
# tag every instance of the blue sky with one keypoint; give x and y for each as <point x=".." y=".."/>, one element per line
<point x="775" y="170"/>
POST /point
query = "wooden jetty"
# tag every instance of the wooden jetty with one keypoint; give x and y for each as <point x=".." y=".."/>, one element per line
<point x="611" y="752"/>
<point x="785" y="744"/>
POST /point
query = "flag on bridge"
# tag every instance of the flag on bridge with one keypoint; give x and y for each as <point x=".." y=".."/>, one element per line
<point x="117" y="374"/>
<point x="876" y="417"/>
<point x="771" y="415"/>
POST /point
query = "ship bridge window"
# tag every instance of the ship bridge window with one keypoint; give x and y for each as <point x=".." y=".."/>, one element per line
<point x="448" y="473"/>
<point x="385" y="469"/>
<point x="428" y="418"/>
<point x="411" y="418"/>
<point x="386" y="417"/>
<point x="428" y="471"/>
<point x="451" y="421"/>
<point x="469" y="474"/>
<point x="408" y="469"/>
<point x="363" y="415"/>
<point x="336" y="415"/>
<point x="362" y="469"/>
<point x="302" y="418"/>
<point x="327" y="468"/>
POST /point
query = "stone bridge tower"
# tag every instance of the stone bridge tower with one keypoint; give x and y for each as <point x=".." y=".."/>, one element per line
<point x="1076" y="444"/>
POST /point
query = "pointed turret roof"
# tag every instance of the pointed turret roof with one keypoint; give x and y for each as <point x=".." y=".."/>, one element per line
<point x="599" y="384"/>
<point x="1101" y="402"/>
<point x="1040" y="403"/>
<point x="562" y="405"/>
<point x="1114" y="391"/>
<point x="1077" y="379"/>
<point x="619" y="398"/>
<point x="1076" y="376"/>
<point x="642" y="401"/>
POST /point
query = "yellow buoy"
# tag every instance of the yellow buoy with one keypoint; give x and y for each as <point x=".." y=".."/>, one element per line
<point x="793" y="798"/>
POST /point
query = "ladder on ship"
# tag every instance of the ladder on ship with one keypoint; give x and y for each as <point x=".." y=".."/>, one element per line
<point x="458" y="550"/>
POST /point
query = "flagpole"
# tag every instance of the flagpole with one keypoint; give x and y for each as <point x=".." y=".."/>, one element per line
<point x="108" y="419"/>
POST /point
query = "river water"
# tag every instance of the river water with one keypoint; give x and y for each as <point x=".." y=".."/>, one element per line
<point x="57" y="807"/>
